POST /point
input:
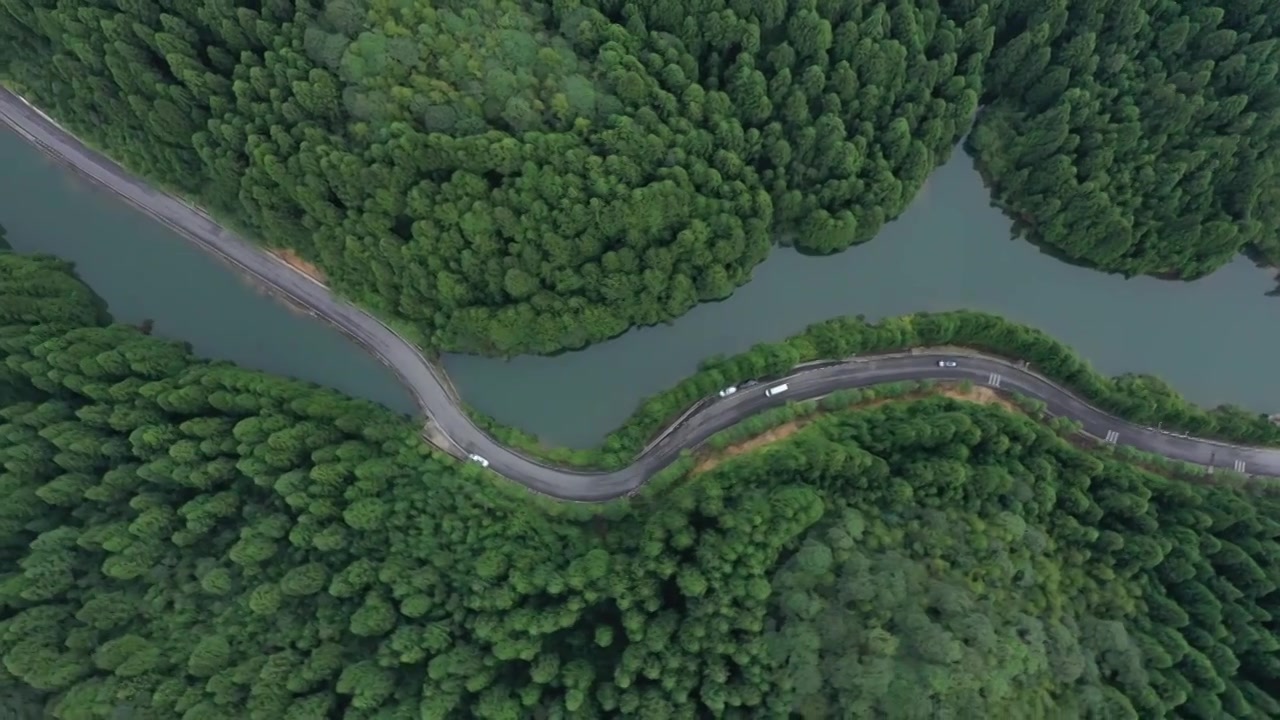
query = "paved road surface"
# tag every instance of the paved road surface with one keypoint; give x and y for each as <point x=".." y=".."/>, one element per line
<point x="430" y="387"/>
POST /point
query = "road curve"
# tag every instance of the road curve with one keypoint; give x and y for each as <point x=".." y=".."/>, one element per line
<point x="431" y="390"/>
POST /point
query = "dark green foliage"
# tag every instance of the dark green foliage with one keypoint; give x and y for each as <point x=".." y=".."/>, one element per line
<point x="518" y="176"/>
<point x="41" y="290"/>
<point x="182" y="539"/>
<point x="186" y="539"/>
<point x="1142" y="399"/>
<point x="973" y="562"/>
<point x="513" y="177"/>
<point x="1138" y="136"/>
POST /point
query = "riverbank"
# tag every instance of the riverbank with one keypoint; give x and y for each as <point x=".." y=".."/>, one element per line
<point x="415" y="372"/>
<point x="1138" y="399"/>
<point x="573" y="400"/>
<point x="719" y="450"/>
<point x="431" y="388"/>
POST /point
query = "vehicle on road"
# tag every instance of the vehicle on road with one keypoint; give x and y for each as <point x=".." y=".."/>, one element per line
<point x="728" y="391"/>
<point x="430" y="393"/>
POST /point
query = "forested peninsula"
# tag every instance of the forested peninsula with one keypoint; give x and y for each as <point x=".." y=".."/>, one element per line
<point x="186" y="539"/>
<point x="506" y="177"/>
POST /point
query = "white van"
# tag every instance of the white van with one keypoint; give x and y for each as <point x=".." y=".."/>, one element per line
<point x="776" y="389"/>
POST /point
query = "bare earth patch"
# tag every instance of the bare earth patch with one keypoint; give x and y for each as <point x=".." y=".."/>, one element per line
<point x="434" y="435"/>
<point x="974" y="394"/>
<point x="294" y="261"/>
<point x="978" y="394"/>
<point x="769" y="436"/>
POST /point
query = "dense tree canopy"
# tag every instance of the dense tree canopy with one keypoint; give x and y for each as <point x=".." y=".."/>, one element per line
<point x="1139" y="135"/>
<point x="519" y="176"/>
<point x="184" y="539"/>
<point x="507" y="176"/>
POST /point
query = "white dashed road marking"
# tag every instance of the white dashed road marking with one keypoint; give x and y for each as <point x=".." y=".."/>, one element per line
<point x="993" y="379"/>
<point x="1239" y="466"/>
<point x="1112" y="436"/>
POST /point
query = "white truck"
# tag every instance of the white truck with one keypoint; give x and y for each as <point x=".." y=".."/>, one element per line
<point x="776" y="390"/>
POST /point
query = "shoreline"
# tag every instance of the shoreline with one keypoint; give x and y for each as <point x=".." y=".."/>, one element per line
<point x="447" y="414"/>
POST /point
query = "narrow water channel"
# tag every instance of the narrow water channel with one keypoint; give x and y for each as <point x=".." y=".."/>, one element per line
<point x="951" y="250"/>
<point x="1213" y="339"/>
<point x="146" y="271"/>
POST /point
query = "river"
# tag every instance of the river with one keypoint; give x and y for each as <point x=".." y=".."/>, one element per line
<point x="1209" y="338"/>
<point x="145" y="271"/>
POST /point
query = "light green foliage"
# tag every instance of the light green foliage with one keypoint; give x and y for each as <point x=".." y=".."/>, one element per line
<point x="898" y="623"/>
<point x="182" y="539"/>
<point x="988" y="568"/>
<point x="186" y="539"/>
<point x="1140" y="399"/>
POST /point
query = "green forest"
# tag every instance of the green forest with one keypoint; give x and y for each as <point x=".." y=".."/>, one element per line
<point x="1138" y="137"/>
<point x="506" y="177"/>
<point x="186" y="539"/>
<point x="1138" y="398"/>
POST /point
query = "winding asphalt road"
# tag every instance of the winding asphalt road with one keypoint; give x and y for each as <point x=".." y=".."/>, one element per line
<point x="433" y="393"/>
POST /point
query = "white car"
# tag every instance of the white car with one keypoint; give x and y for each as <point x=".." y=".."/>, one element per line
<point x="478" y="460"/>
<point x="728" y="391"/>
<point x="946" y="363"/>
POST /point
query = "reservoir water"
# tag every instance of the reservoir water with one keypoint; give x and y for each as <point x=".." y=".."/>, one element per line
<point x="1210" y="338"/>
<point x="146" y="271"/>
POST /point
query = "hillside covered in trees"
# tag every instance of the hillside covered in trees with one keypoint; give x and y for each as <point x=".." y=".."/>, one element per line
<point x="1142" y="137"/>
<point x="509" y="176"/>
<point x="186" y="539"/>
